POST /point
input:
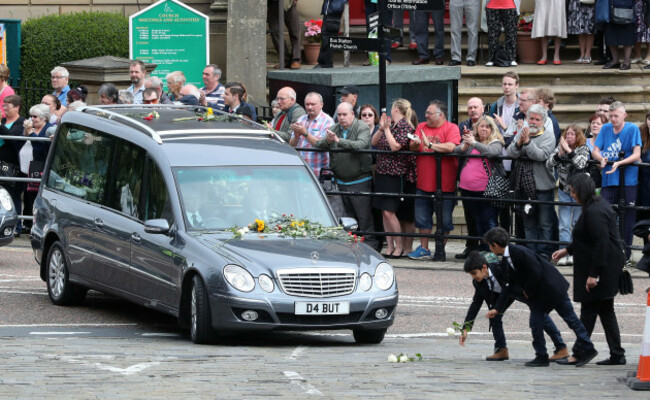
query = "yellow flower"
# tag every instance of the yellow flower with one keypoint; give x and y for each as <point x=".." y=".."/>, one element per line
<point x="260" y="225"/>
<point x="209" y="111"/>
<point x="301" y="223"/>
<point x="293" y="224"/>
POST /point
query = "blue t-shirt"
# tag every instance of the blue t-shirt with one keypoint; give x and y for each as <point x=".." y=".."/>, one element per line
<point x="610" y="144"/>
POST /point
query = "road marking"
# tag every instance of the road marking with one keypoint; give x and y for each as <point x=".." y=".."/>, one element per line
<point x="61" y="325"/>
<point x="24" y="292"/>
<point x="59" y="333"/>
<point x="298" y="380"/>
<point x="162" y="334"/>
<point x="296" y="353"/>
<point x="130" y="370"/>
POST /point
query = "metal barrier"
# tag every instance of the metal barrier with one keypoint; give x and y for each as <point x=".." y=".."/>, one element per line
<point x="31" y="92"/>
<point x="438" y="197"/>
<point x="20" y="179"/>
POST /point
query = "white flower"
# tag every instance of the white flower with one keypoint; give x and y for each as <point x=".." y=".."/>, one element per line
<point x="451" y="331"/>
<point x="392" y="358"/>
<point x="403" y="358"/>
<point x="243" y="231"/>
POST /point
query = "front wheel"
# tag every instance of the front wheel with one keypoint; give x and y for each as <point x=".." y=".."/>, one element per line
<point x="201" y="322"/>
<point x="369" y="336"/>
<point x="59" y="288"/>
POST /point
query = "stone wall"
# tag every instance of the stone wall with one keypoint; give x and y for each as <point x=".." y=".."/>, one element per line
<point x="26" y="9"/>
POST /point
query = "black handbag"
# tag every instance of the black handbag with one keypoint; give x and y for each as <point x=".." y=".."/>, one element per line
<point x="8" y="170"/>
<point x="497" y="187"/>
<point x="625" y="285"/>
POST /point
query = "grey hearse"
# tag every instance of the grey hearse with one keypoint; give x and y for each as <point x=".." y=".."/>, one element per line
<point x="204" y="216"/>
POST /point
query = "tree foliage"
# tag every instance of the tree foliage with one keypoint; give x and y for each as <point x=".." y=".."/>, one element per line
<point x="54" y="39"/>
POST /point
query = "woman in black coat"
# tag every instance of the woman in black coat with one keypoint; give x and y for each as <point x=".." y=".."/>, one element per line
<point x="598" y="259"/>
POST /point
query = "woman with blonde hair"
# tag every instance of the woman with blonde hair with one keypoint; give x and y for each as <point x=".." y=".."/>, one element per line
<point x="570" y="157"/>
<point x="395" y="173"/>
<point x="484" y="140"/>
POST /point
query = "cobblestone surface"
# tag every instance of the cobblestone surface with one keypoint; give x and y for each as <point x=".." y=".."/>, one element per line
<point x="291" y="366"/>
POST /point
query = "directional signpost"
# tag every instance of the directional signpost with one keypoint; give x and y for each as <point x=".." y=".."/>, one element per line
<point x="384" y="33"/>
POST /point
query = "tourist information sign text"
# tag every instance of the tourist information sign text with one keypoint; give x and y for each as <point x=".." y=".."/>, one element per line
<point x="173" y="36"/>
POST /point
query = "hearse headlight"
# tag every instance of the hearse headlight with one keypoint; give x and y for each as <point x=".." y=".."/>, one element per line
<point x="239" y="278"/>
<point x="5" y="200"/>
<point x="365" y="282"/>
<point x="384" y="276"/>
<point x="266" y="283"/>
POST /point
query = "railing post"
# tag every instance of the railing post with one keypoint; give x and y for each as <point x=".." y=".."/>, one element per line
<point x="281" y="34"/>
<point x="439" y="254"/>
<point x="622" y="201"/>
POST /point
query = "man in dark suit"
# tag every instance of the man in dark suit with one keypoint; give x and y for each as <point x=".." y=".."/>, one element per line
<point x="528" y="275"/>
<point x="488" y="288"/>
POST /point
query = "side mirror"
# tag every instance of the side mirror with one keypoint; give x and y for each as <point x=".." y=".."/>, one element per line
<point x="156" y="226"/>
<point x="349" y="224"/>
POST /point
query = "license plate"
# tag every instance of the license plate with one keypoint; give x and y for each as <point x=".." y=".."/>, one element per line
<point x="322" y="307"/>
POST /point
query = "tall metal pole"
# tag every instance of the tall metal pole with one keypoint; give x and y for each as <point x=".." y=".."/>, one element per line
<point x="381" y="5"/>
<point x="281" y="34"/>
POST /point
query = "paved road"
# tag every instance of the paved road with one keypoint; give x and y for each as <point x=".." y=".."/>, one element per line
<point x="108" y="348"/>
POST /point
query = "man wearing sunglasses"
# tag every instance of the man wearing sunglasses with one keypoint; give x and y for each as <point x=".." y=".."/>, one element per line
<point x="150" y="96"/>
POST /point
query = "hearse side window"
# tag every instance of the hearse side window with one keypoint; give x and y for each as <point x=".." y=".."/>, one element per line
<point x="80" y="161"/>
<point x="156" y="203"/>
<point x="125" y="178"/>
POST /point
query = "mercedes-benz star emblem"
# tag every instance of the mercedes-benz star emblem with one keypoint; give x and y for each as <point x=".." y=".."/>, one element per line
<point x="314" y="257"/>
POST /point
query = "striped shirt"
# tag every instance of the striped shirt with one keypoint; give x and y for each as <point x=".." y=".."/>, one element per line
<point x="214" y="99"/>
<point x="316" y="127"/>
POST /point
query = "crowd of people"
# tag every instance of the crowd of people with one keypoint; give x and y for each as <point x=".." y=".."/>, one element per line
<point x="516" y="137"/>
<point x="552" y="21"/>
<point x="519" y="126"/>
<point x="27" y="158"/>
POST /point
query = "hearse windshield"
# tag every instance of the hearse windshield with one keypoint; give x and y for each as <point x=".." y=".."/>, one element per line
<point x="218" y="198"/>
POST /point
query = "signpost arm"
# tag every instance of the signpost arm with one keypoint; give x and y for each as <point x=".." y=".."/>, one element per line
<point x="381" y="5"/>
<point x="346" y="33"/>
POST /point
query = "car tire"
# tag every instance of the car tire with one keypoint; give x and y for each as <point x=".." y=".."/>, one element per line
<point x="369" y="336"/>
<point x="201" y="330"/>
<point x="59" y="288"/>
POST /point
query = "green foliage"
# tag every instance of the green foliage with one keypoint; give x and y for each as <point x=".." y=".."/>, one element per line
<point x="54" y="39"/>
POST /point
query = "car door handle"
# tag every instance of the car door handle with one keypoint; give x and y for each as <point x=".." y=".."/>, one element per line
<point x="99" y="223"/>
<point x="135" y="237"/>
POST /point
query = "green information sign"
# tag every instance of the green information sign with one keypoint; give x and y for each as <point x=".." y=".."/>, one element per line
<point x="173" y="36"/>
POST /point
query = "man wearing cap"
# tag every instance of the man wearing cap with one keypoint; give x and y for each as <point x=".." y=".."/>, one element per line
<point x="289" y="114"/>
<point x="350" y="94"/>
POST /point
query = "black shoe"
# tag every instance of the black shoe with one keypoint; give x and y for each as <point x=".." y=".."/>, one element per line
<point x="454" y="63"/>
<point x="471" y="63"/>
<point x="646" y="67"/>
<point x="439" y="61"/>
<point x="565" y="361"/>
<point x="464" y="254"/>
<point x="586" y="357"/>
<point x="602" y="61"/>
<point x="624" y="67"/>
<point x="439" y="255"/>
<point x="611" y="65"/>
<point x="421" y="61"/>
<point x="539" y="361"/>
<point x="613" y="361"/>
